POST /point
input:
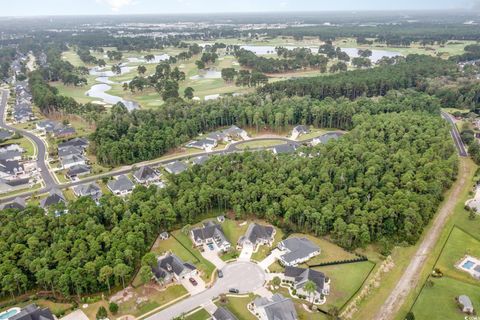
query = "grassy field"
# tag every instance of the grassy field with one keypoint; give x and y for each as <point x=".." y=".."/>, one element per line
<point x="72" y="57"/>
<point x="238" y="306"/>
<point x="201" y="314"/>
<point x="77" y="93"/>
<point x="233" y="230"/>
<point x="438" y="301"/>
<point x="260" y="144"/>
<point x="345" y="279"/>
<point x="458" y="245"/>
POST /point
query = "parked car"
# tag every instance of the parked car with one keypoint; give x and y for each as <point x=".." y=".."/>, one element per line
<point x="193" y="281"/>
<point x="233" y="290"/>
<point x="220" y="273"/>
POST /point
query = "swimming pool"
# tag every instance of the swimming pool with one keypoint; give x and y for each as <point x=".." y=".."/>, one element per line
<point x="9" y="313"/>
<point x="468" y="265"/>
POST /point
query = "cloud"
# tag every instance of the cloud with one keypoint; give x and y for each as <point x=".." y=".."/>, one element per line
<point x="116" y="5"/>
<point x="283" y="4"/>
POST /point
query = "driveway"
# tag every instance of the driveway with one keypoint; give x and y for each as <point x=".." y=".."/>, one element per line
<point x="265" y="263"/>
<point x="233" y="277"/>
<point x="212" y="256"/>
<point x="190" y="287"/>
<point x="246" y="252"/>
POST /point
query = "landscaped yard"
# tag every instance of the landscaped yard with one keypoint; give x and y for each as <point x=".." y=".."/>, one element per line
<point x="24" y="143"/>
<point x="201" y="314"/>
<point x="345" y="279"/>
<point x="238" y="306"/>
<point x="234" y="230"/>
<point x="260" y="144"/>
<point x="458" y="245"/>
<point x="438" y="301"/>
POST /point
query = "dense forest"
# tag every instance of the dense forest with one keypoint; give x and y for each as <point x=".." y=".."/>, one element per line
<point x="124" y="137"/>
<point x="409" y="72"/>
<point x="382" y="181"/>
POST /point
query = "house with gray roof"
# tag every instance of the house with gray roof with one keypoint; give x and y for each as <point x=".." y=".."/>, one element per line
<point x="10" y="169"/>
<point x="63" y="131"/>
<point x="71" y="160"/>
<point x="223" y="314"/>
<point x="55" y="197"/>
<point x="11" y="155"/>
<point x="78" y="170"/>
<point x="297" y="251"/>
<point x="18" y="203"/>
<point x="170" y="268"/>
<point x="199" y="160"/>
<point x="210" y="233"/>
<point x="256" y="235"/>
<point x="235" y="132"/>
<point x="5" y="134"/>
<point x="299" y="130"/>
<point x="206" y="144"/>
<point x="32" y="312"/>
<point x="146" y="175"/>
<point x="285" y="148"/>
<point x="325" y="138"/>
<point x="69" y="150"/>
<point x="46" y="126"/>
<point x="217" y="136"/>
<point x="276" y="308"/>
<point x="75" y="142"/>
<point x="121" y="186"/>
<point x="13" y="185"/>
<point x="91" y="190"/>
<point x="300" y="276"/>
<point x="175" y="167"/>
<point x="465" y="304"/>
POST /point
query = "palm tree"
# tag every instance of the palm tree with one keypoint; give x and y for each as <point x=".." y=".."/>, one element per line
<point x="310" y="287"/>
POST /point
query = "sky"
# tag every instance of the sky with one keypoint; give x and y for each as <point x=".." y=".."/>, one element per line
<point x="98" y="7"/>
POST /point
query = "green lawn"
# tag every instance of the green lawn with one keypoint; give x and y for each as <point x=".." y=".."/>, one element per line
<point x="77" y="93"/>
<point x="234" y="230"/>
<point x="345" y="279"/>
<point x="458" y="245"/>
<point x="201" y="314"/>
<point x="24" y="143"/>
<point x="438" y="302"/>
<point x="312" y="134"/>
<point x="238" y="306"/>
<point x="260" y="144"/>
<point x="72" y="57"/>
<point x="301" y="312"/>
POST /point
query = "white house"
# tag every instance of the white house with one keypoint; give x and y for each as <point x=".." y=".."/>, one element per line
<point x="256" y="235"/>
<point x="300" y="276"/>
<point x="276" y="308"/>
<point x="296" y="251"/>
<point x="210" y="233"/>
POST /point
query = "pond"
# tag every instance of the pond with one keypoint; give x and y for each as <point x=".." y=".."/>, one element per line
<point x="157" y="59"/>
<point x="100" y="91"/>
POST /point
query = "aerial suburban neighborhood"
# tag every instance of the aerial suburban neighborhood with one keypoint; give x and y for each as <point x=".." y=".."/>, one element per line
<point x="211" y="160"/>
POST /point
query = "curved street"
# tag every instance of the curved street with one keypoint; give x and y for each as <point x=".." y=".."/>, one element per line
<point x="233" y="277"/>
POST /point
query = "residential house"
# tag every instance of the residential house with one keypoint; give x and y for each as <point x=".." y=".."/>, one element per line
<point x="299" y="130"/>
<point x="300" y="276"/>
<point x="256" y="235"/>
<point x="223" y="314"/>
<point x="5" y="135"/>
<point x="55" y="197"/>
<point x="10" y="169"/>
<point x="13" y="185"/>
<point x="296" y="251"/>
<point x="276" y="308"/>
<point x="285" y="148"/>
<point x="46" y="126"/>
<point x="72" y="160"/>
<point x="22" y="113"/>
<point x="121" y="186"/>
<point x="324" y="138"/>
<point x="210" y="233"/>
<point x="69" y="150"/>
<point x="75" y="142"/>
<point x="146" y="175"/>
<point x="91" y="190"/>
<point x="32" y="312"/>
<point x="18" y="203"/>
<point x="236" y="133"/>
<point x="218" y="136"/>
<point x="11" y="155"/>
<point x="465" y="304"/>
<point x="63" y="131"/>
<point x="175" y="167"/>
<point x="206" y="144"/>
<point x="77" y="170"/>
<point x="199" y="160"/>
<point x="171" y="268"/>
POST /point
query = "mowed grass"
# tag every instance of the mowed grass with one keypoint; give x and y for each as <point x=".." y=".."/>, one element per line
<point x="238" y="306"/>
<point x="458" y="245"/>
<point x="233" y="230"/>
<point x="438" y="302"/>
<point x="77" y="93"/>
<point x="22" y="142"/>
<point x="260" y="144"/>
<point x="201" y="314"/>
<point x="72" y="57"/>
<point x="345" y="279"/>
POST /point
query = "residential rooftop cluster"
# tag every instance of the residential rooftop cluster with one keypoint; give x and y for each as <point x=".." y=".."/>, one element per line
<point x="22" y="110"/>
<point x="16" y="170"/>
<point x="211" y="140"/>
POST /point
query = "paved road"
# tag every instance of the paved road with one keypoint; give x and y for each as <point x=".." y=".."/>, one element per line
<point x="234" y="276"/>
<point x="455" y="135"/>
<point x="41" y="148"/>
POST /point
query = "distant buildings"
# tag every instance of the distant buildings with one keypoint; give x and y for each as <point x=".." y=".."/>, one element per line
<point x="22" y="110"/>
